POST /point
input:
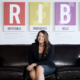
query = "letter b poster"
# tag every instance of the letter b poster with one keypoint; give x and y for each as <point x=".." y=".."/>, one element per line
<point x="65" y="16"/>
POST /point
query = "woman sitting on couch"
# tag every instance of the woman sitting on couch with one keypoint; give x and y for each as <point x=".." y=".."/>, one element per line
<point x="40" y="57"/>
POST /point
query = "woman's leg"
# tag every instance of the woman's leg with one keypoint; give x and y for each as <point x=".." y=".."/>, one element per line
<point x="39" y="73"/>
<point x="32" y="74"/>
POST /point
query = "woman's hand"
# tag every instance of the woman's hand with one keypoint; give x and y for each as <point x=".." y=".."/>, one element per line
<point x="30" y="67"/>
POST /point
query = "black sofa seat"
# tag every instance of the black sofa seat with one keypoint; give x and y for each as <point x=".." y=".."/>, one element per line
<point x="67" y="60"/>
<point x="14" y="60"/>
<point x="68" y="72"/>
<point x="11" y="73"/>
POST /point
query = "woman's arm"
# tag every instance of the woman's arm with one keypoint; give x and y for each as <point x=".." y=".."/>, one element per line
<point x="31" y="66"/>
<point x="30" y="55"/>
<point x="30" y="59"/>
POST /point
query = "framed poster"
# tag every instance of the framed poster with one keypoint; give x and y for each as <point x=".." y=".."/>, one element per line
<point x="40" y="16"/>
<point x="14" y="16"/>
<point x="65" y="16"/>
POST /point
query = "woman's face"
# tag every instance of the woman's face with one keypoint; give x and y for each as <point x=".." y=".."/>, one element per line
<point x="41" y="38"/>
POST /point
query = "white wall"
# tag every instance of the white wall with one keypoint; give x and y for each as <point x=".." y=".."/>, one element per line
<point x="28" y="37"/>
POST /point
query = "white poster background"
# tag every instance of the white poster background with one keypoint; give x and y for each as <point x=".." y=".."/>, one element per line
<point x="1" y="17"/>
<point x="28" y="37"/>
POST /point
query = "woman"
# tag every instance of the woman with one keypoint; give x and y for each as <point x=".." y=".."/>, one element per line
<point x="40" y="57"/>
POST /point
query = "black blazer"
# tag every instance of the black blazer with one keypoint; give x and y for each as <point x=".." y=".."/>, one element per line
<point x="34" y="56"/>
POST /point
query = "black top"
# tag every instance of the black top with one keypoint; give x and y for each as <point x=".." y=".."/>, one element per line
<point x="34" y="55"/>
<point x="40" y="56"/>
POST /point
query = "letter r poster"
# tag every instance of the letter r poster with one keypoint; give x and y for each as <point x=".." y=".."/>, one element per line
<point x="14" y="16"/>
<point x="65" y="16"/>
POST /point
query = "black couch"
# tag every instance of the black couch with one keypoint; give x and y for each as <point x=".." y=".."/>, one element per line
<point x="14" y="60"/>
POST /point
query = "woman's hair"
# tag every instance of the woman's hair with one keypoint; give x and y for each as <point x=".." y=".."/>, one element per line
<point x="46" y="41"/>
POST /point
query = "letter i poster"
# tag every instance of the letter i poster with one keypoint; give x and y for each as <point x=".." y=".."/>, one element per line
<point x="14" y="16"/>
<point x="40" y="16"/>
<point x="65" y="16"/>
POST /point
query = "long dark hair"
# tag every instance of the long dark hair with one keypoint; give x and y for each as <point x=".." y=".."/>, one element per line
<point x="46" y="41"/>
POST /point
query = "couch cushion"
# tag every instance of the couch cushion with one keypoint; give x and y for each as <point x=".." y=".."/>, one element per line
<point x="12" y="73"/>
<point x="68" y="72"/>
<point x="14" y="55"/>
<point x="66" y="54"/>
